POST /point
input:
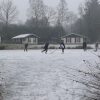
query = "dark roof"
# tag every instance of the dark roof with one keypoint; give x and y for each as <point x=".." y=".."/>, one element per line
<point x="73" y="35"/>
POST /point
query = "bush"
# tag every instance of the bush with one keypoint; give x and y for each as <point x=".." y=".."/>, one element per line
<point x="79" y="47"/>
<point x="52" y="47"/>
<point x="2" y="47"/>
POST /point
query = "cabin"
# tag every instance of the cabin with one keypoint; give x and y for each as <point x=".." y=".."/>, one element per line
<point x="26" y="38"/>
<point x="73" y="38"/>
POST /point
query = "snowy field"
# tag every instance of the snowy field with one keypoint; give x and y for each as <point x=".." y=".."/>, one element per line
<point x="34" y="75"/>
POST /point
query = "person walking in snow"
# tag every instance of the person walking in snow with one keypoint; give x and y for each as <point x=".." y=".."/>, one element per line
<point x="62" y="46"/>
<point x="45" y="48"/>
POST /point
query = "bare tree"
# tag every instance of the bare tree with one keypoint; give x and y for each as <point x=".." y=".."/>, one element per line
<point x="62" y="16"/>
<point x="71" y="19"/>
<point x="62" y="12"/>
<point x="37" y="9"/>
<point x="50" y="14"/>
<point x="8" y="13"/>
<point x="81" y="10"/>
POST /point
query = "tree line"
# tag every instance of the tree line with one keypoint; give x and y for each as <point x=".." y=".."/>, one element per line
<point x="49" y="23"/>
<point x="89" y="22"/>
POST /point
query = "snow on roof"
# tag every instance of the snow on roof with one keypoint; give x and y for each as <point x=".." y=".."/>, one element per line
<point x="74" y="34"/>
<point x="23" y="36"/>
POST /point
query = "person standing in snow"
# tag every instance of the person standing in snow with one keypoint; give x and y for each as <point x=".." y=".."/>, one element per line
<point x="45" y="48"/>
<point x="26" y="46"/>
<point x="96" y="46"/>
<point x="84" y="46"/>
<point x="62" y="46"/>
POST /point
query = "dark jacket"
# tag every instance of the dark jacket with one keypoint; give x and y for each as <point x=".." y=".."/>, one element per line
<point x="62" y="45"/>
<point x="46" y="45"/>
<point x="84" y="45"/>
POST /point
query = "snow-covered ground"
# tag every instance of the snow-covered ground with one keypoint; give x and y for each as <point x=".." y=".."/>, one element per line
<point x="34" y="75"/>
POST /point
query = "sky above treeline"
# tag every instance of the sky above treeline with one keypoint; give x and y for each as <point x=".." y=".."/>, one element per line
<point x="23" y="5"/>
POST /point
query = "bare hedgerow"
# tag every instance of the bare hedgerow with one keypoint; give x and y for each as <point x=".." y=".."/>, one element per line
<point x="88" y="80"/>
<point x="1" y="92"/>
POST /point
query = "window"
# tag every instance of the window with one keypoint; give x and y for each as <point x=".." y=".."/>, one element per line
<point x="77" y="40"/>
<point x="34" y="39"/>
<point x="29" y="40"/>
<point x="68" y="40"/>
<point x="24" y="39"/>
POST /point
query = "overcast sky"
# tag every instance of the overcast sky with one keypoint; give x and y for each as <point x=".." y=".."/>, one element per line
<point x="23" y="5"/>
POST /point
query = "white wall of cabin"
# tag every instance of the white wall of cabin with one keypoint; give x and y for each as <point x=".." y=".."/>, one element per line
<point x="72" y="40"/>
<point x="30" y="40"/>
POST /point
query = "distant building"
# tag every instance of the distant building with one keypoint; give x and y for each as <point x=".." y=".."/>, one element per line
<point x="73" y="39"/>
<point x="26" y="38"/>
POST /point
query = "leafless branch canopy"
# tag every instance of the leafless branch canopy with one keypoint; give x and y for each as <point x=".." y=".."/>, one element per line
<point x="8" y="12"/>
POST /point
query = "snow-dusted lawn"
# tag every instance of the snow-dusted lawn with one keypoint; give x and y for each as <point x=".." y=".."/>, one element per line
<point x="34" y="75"/>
